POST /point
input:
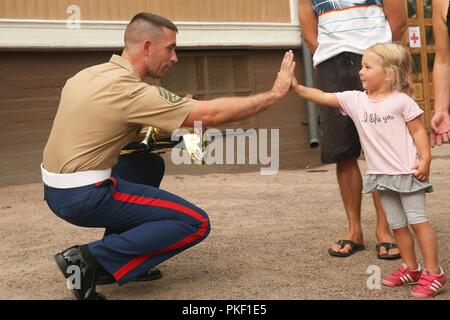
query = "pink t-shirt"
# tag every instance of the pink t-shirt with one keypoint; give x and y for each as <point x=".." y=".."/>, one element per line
<point x="388" y="146"/>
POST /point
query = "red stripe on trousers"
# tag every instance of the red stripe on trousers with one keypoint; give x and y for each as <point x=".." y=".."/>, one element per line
<point x="123" y="197"/>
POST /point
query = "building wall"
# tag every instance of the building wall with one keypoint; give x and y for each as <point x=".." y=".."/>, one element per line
<point x="177" y="10"/>
<point x="231" y="47"/>
<point x="31" y="82"/>
<point x="30" y="85"/>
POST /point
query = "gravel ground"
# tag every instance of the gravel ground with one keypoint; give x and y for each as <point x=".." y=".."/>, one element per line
<point x="269" y="240"/>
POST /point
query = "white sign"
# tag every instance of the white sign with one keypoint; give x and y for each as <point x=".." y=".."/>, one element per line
<point x="414" y="37"/>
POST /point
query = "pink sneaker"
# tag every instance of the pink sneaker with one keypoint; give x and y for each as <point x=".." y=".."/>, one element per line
<point x="429" y="285"/>
<point x="402" y="276"/>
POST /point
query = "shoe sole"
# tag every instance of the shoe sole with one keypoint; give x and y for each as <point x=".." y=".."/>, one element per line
<point x="388" y="257"/>
<point x="426" y="297"/>
<point x="390" y="284"/>
<point x="154" y="277"/>
<point x="333" y="253"/>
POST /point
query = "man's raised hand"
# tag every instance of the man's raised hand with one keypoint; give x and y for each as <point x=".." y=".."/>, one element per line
<point x="284" y="79"/>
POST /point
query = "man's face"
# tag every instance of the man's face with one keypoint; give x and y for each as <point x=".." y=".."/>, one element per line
<point x="160" y="53"/>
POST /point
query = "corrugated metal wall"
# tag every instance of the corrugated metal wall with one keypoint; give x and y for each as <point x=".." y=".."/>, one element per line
<point x="177" y="10"/>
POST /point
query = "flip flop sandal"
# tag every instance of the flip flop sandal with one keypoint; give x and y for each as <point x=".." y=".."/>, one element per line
<point x="355" y="247"/>
<point x="388" y="246"/>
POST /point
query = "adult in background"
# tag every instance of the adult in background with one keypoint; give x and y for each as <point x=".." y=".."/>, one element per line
<point x="440" y="123"/>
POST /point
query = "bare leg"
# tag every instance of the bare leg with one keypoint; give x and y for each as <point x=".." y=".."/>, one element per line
<point x="405" y="242"/>
<point x="428" y="246"/>
<point x="350" y="185"/>
<point x="382" y="232"/>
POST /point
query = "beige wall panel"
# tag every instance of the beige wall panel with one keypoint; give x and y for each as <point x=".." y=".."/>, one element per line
<point x="178" y="10"/>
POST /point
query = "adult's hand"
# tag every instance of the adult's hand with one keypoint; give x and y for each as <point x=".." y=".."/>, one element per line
<point x="440" y="128"/>
<point x="284" y="79"/>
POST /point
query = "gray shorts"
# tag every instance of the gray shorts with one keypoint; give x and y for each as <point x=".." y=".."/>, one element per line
<point x="403" y="209"/>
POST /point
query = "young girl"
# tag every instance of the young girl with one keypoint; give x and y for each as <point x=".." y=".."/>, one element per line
<point x="398" y="158"/>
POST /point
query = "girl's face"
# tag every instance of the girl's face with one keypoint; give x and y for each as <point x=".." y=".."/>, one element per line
<point x="372" y="74"/>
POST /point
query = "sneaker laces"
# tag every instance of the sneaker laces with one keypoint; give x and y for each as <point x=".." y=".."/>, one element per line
<point x="403" y="269"/>
<point x="400" y="270"/>
<point x="72" y="258"/>
<point x="426" y="279"/>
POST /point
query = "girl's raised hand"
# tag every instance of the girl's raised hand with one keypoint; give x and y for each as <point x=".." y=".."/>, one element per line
<point x="294" y="83"/>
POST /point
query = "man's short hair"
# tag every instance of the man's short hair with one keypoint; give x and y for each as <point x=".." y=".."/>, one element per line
<point x="155" y="20"/>
<point x="144" y="24"/>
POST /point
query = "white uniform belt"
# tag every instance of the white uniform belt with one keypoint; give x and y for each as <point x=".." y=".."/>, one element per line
<point x="74" y="180"/>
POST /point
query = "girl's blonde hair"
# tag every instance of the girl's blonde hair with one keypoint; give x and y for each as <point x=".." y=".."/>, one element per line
<point x="398" y="62"/>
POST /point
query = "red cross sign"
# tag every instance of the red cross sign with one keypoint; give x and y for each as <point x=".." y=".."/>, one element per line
<point x="414" y="37"/>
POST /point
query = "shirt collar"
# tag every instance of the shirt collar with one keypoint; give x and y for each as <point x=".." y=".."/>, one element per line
<point x="124" y="63"/>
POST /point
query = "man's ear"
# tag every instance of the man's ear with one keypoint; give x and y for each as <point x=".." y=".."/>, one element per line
<point x="147" y="46"/>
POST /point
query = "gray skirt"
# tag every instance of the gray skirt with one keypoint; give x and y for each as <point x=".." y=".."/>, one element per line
<point x="404" y="183"/>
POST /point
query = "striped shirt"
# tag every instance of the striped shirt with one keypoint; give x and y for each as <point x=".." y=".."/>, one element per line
<point x="349" y="26"/>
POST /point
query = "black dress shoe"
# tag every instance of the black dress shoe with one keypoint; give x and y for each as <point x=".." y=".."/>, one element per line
<point x="72" y="264"/>
<point x="152" y="274"/>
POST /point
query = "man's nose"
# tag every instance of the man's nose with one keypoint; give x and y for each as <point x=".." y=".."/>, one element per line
<point x="174" y="58"/>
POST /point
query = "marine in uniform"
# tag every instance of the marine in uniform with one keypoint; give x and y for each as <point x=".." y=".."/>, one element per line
<point x="87" y="182"/>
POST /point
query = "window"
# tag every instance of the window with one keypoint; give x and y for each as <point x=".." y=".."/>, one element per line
<point x="412" y="9"/>
<point x="210" y="75"/>
<point x="427" y="9"/>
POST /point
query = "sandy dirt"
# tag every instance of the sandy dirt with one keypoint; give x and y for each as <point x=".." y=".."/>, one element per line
<point x="269" y="240"/>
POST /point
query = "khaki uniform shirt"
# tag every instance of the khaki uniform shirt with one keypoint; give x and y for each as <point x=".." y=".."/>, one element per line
<point x="102" y="109"/>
